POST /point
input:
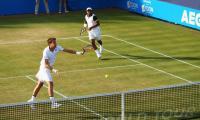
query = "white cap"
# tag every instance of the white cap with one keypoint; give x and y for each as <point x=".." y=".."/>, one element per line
<point x="89" y="8"/>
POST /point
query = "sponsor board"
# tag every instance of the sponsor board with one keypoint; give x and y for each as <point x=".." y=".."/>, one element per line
<point x="174" y="13"/>
<point x="132" y="5"/>
<point x="147" y="9"/>
<point x="147" y="1"/>
<point x="190" y="18"/>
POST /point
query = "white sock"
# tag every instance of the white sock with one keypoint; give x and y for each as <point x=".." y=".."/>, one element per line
<point x="52" y="99"/>
<point x="101" y="47"/>
<point x="33" y="98"/>
<point x="98" y="53"/>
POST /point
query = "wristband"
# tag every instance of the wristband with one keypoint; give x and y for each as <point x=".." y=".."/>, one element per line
<point x="84" y="25"/>
<point x="78" y="53"/>
<point x="54" y="70"/>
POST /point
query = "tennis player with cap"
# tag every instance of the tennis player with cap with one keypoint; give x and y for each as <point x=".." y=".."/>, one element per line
<point x="93" y="25"/>
<point x="46" y="67"/>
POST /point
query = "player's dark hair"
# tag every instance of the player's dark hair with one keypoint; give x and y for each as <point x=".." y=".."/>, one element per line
<point x="50" y="40"/>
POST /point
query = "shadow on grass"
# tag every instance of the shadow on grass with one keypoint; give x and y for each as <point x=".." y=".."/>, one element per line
<point x="134" y="57"/>
<point x="161" y="58"/>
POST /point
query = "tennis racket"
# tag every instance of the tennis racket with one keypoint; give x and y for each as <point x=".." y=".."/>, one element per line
<point x="88" y="48"/>
<point x="83" y="29"/>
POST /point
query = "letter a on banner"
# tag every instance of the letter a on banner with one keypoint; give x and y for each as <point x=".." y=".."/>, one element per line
<point x="184" y="17"/>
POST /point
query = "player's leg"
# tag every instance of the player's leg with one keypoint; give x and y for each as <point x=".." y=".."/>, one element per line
<point x="95" y="48"/>
<point x="100" y="45"/>
<point x="37" y="88"/>
<point x="100" y="42"/>
<point x="37" y="4"/>
<point x="97" y="34"/>
<point x="35" y="93"/>
<point x="51" y="95"/>
<point x="46" y="6"/>
<point x="93" y="44"/>
<point x="92" y="38"/>
<point x="65" y="6"/>
<point x="60" y="6"/>
<point x="50" y="89"/>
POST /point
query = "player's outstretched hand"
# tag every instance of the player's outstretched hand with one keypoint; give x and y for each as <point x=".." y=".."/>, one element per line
<point x="80" y="53"/>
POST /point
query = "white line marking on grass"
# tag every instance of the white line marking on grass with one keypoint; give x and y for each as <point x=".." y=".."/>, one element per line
<point x="65" y="38"/>
<point x="78" y="70"/>
<point x="101" y="68"/>
<point x="32" y="41"/>
<point x="20" y="42"/>
<point x="142" y="64"/>
<point x="139" y="46"/>
<point x="13" y="77"/>
<point x="58" y="93"/>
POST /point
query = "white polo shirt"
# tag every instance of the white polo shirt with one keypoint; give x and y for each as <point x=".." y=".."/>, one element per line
<point x="51" y="56"/>
<point x="91" y="21"/>
<point x="95" y="33"/>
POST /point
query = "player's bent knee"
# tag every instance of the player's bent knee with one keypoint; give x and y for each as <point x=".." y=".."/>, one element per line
<point x="40" y="83"/>
<point x="50" y="84"/>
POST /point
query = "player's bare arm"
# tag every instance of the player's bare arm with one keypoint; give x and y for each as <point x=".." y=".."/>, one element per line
<point x="47" y="65"/>
<point x="69" y="51"/>
<point x="73" y="51"/>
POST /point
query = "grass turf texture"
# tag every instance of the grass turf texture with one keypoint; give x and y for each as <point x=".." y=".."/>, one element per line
<point x="23" y="59"/>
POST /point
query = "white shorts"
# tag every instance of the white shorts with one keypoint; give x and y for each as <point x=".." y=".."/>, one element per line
<point x="95" y="34"/>
<point x="44" y="75"/>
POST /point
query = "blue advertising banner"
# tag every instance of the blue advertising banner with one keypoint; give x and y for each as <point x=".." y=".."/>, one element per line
<point x="195" y="4"/>
<point x="167" y="11"/>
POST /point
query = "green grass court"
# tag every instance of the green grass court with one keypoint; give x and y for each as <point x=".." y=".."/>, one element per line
<point x="141" y="53"/>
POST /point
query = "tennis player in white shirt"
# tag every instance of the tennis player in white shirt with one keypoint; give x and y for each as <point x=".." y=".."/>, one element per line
<point x="46" y="66"/>
<point x="93" y="25"/>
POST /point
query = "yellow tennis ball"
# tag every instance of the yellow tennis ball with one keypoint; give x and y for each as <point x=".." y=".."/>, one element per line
<point x="106" y="75"/>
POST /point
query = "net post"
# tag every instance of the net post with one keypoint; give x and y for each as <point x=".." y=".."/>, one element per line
<point x="122" y="106"/>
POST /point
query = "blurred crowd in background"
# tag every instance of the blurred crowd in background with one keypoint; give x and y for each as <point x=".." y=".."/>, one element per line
<point x="62" y="3"/>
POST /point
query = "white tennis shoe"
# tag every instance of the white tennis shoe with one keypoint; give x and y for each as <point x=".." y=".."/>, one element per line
<point x="55" y="105"/>
<point x="31" y="102"/>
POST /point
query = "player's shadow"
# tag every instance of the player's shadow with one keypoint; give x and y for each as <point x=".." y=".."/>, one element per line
<point x="135" y="57"/>
<point x="112" y="58"/>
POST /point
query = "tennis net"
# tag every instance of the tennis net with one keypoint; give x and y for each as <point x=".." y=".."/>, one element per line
<point x="180" y="102"/>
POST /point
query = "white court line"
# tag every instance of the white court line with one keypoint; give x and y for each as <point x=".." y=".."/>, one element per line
<point x="136" y="45"/>
<point x="32" y="41"/>
<point x="78" y="70"/>
<point x="60" y="94"/>
<point x="142" y="64"/>
<point x="101" y="68"/>
<point x="13" y="77"/>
